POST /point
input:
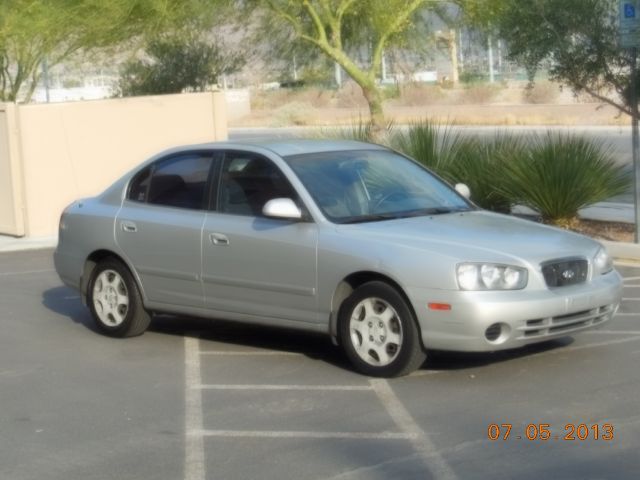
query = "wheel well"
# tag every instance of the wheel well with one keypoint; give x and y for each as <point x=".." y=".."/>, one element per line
<point x="348" y="285"/>
<point x="92" y="260"/>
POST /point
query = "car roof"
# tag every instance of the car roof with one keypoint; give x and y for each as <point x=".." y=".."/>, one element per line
<point x="286" y="147"/>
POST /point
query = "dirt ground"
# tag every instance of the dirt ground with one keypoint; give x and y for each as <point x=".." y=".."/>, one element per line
<point x="491" y="114"/>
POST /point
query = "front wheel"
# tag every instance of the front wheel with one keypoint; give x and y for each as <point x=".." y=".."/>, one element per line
<point x="379" y="332"/>
<point x="115" y="301"/>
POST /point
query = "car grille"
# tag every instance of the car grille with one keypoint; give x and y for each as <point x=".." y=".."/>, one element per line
<point x="561" y="273"/>
<point x="552" y="326"/>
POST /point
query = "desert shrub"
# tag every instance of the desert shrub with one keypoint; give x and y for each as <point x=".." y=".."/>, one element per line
<point x="561" y="173"/>
<point x="432" y="144"/>
<point x="350" y="95"/>
<point x="416" y="94"/>
<point x="479" y="94"/>
<point x="293" y="113"/>
<point x="541" y="92"/>
<point x="461" y="158"/>
<point x="480" y="163"/>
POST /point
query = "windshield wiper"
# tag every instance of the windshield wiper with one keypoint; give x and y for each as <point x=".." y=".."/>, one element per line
<point x="370" y="218"/>
<point x="432" y="211"/>
<point x="395" y="215"/>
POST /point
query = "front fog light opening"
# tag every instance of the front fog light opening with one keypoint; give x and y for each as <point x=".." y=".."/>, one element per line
<point x="497" y="333"/>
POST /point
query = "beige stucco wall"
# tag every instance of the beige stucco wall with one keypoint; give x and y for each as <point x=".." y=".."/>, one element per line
<point x="73" y="150"/>
<point x="11" y="205"/>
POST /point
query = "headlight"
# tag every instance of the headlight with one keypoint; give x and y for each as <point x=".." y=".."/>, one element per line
<point x="490" y="276"/>
<point x="602" y="262"/>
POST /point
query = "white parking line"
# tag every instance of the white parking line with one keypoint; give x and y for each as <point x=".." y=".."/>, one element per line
<point x="623" y="314"/>
<point x="194" y="468"/>
<point x="628" y="299"/>
<point x="307" y="434"/>
<point x="614" y="332"/>
<point x="245" y="353"/>
<point x="439" y="468"/>
<point x="593" y="345"/>
<point x="346" y="388"/>
<point x="635" y="285"/>
<point x="26" y="272"/>
<point x="626" y="279"/>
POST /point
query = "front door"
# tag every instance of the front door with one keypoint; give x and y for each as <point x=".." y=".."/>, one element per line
<point x="252" y="265"/>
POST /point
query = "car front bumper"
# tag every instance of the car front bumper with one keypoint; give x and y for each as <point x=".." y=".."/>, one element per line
<point x="498" y="320"/>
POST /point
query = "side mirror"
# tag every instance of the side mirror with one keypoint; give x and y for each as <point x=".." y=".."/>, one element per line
<point x="284" y="208"/>
<point x="463" y="190"/>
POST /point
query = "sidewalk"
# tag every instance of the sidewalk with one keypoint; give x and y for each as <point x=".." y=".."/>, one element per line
<point x="605" y="211"/>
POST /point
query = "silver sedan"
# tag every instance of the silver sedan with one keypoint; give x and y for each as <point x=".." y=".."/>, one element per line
<point x="344" y="238"/>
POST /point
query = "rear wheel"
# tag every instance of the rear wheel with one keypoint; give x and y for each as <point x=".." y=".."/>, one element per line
<point x="115" y="301"/>
<point x="379" y="332"/>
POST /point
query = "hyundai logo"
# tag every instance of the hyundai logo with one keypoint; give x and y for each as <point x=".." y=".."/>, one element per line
<point x="568" y="274"/>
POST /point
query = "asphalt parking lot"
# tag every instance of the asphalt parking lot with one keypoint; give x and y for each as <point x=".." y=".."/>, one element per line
<point x="193" y="399"/>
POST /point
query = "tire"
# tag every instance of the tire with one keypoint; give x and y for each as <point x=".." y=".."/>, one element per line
<point x="379" y="332"/>
<point x="115" y="302"/>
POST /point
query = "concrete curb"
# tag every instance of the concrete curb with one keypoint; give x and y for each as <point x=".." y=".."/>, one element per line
<point x="622" y="251"/>
<point x="16" y="244"/>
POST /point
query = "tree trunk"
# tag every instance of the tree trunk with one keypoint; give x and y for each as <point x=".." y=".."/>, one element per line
<point x="374" y="98"/>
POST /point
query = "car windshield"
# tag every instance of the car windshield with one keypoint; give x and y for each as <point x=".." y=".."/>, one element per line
<point x="370" y="185"/>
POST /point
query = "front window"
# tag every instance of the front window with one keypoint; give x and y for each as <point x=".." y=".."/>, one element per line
<point x="368" y="185"/>
<point x="248" y="182"/>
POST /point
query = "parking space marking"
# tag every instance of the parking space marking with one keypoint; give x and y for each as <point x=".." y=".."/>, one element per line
<point x="439" y="468"/>
<point x="26" y="272"/>
<point x="307" y="434"/>
<point x="626" y="299"/>
<point x="194" y="466"/>
<point x="347" y="388"/>
<point x="614" y="332"/>
<point x="246" y="353"/>
<point x="626" y="314"/>
<point x="594" y="345"/>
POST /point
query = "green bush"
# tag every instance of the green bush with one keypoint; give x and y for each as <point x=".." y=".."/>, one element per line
<point x="460" y="158"/>
<point x="432" y="144"/>
<point x="560" y="173"/>
<point x="479" y="163"/>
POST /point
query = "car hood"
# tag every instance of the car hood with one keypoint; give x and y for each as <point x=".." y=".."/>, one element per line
<point x="477" y="236"/>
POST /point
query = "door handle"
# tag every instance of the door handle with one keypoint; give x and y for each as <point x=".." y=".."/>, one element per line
<point x="129" y="227"/>
<point x="218" y="239"/>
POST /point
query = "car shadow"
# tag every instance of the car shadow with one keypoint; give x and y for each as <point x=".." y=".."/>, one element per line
<point x="66" y="302"/>
<point x="445" y="360"/>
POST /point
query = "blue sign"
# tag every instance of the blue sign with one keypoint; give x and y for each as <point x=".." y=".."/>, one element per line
<point x="629" y="10"/>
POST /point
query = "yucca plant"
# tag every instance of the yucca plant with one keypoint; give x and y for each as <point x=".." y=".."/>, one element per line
<point x="432" y="144"/>
<point x="479" y="163"/>
<point x="461" y="158"/>
<point x="561" y="174"/>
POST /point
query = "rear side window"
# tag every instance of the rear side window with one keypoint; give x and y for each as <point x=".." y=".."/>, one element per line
<point x="179" y="181"/>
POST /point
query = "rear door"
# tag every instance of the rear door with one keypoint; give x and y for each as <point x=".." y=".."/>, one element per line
<point x="255" y="265"/>
<point x="159" y="227"/>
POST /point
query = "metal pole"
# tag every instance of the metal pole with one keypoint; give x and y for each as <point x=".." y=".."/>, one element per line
<point x="635" y="138"/>
<point x="45" y="77"/>
<point x="492" y="77"/>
